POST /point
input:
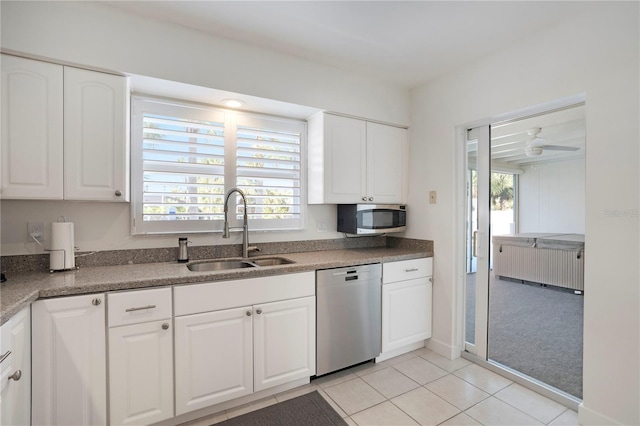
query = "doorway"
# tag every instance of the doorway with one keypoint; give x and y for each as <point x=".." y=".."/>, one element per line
<point x="524" y="236"/>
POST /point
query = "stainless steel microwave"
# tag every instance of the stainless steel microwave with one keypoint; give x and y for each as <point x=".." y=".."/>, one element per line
<point x="364" y="219"/>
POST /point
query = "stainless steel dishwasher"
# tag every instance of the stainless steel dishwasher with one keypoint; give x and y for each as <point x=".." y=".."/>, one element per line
<point x="348" y="316"/>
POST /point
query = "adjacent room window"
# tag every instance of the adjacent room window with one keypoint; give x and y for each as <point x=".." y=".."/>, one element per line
<point x="185" y="157"/>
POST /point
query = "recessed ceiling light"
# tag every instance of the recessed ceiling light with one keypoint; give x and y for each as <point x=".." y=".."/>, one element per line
<point x="234" y="103"/>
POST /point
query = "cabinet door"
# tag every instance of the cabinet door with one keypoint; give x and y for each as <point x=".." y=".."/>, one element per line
<point x="69" y="361"/>
<point x="214" y="358"/>
<point x="284" y="342"/>
<point x="141" y="373"/>
<point x="385" y="163"/>
<point x="96" y="147"/>
<point x="16" y="380"/>
<point x="31" y="103"/>
<point x="345" y="144"/>
<point x="406" y="313"/>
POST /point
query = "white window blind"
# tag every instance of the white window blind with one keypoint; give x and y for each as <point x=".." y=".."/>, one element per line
<point x="186" y="157"/>
<point x="268" y="170"/>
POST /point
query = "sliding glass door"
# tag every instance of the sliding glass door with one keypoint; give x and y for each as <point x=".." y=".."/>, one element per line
<point x="477" y="239"/>
<point x="524" y="247"/>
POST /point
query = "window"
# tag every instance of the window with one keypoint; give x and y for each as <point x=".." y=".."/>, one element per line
<point x="186" y="157"/>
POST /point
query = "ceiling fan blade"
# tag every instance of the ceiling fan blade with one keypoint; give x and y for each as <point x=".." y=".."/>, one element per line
<point x="560" y="148"/>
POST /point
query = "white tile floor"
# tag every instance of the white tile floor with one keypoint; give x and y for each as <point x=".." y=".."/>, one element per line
<point x="423" y="388"/>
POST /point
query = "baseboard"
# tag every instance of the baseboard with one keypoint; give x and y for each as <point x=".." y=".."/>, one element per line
<point x="403" y="350"/>
<point x="588" y="417"/>
<point x="447" y="351"/>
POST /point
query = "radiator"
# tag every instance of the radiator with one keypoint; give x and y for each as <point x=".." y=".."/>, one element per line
<point x="561" y="268"/>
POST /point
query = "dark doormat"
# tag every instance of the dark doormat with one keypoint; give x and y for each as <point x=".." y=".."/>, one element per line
<point x="310" y="409"/>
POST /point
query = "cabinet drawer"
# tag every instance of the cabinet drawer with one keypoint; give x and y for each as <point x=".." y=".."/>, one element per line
<point x="132" y="307"/>
<point x="407" y="269"/>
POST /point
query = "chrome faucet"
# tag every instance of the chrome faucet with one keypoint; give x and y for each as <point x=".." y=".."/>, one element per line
<point x="245" y="225"/>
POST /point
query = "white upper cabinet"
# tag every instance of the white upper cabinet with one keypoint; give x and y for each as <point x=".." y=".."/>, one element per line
<point x="96" y="147"/>
<point x="337" y="159"/>
<point x="355" y="161"/>
<point x="65" y="133"/>
<point x="386" y="147"/>
<point x="32" y="132"/>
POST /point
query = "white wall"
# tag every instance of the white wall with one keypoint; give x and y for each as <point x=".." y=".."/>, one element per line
<point x="595" y="54"/>
<point x="91" y="34"/>
<point x="101" y="37"/>
<point x="552" y="198"/>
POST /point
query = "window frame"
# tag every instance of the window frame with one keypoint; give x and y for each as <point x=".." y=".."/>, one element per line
<point x="140" y="104"/>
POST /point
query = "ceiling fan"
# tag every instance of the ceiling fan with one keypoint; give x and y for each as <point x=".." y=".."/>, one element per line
<point x="535" y="144"/>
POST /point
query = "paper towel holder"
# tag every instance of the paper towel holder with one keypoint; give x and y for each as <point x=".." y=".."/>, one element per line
<point x="67" y="253"/>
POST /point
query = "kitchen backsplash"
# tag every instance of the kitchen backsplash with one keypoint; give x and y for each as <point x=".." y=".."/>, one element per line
<point x="40" y="262"/>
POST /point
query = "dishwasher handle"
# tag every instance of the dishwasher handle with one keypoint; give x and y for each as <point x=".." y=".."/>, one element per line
<point x="350" y="271"/>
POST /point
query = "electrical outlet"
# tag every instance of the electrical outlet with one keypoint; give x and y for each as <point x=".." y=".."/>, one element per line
<point x="433" y="197"/>
<point x="321" y="226"/>
<point x="35" y="229"/>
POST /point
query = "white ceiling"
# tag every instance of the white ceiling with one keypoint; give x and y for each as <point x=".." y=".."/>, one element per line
<point x="401" y="42"/>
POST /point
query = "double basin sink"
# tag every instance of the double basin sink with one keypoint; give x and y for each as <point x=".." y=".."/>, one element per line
<point x="224" y="264"/>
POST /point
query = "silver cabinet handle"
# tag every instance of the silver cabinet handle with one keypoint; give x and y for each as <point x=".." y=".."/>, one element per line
<point x="259" y="311"/>
<point x="248" y="313"/>
<point x="118" y="193"/>
<point x="3" y="357"/>
<point x="16" y="375"/>
<point x="364" y="198"/>
<point x="431" y="280"/>
<point x="96" y="301"/>
<point x="141" y="308"/>
<point x="370" y="198"/>
<point x="411" y="270"/>
<point x="165" y="326"/>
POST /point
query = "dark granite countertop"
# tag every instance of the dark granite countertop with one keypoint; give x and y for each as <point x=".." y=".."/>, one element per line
<point x="22" y="288"/>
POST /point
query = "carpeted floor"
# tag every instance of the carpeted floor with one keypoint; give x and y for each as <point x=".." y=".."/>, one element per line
<point x="310" y="409"/>
<point x="535" y="330"/>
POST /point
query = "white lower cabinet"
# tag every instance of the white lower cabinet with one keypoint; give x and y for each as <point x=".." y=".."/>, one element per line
<point x="140" y="357"/>
<point x="223" y="354"/>
<point x="231" y="339"/>
<point x="141" y="373"/>
<point x="214" y="358"/>
<point x="15" y="352"/>
<point x="69" y="381"/>
<point x="283" y="342"/>
<point x="406" y="303"/>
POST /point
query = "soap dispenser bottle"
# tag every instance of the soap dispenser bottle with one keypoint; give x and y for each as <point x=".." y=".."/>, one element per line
<point x="183" y="252"/>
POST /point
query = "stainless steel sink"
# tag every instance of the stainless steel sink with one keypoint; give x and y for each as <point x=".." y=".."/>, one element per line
<point x="219" y="265"/>
<point x="224" y="264"/>
<point x="271" y="261"/>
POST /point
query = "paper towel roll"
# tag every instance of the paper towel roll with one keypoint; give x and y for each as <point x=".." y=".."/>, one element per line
<point x="62" y="254"/>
